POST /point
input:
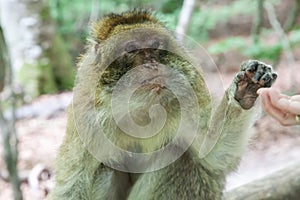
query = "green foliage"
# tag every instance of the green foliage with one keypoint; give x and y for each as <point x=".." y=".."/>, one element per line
<point x="263" y="49"/>
<point x="37" y="78"/>
<point x="233" y="43"/>
<point x="73" y="17"/>
<point x="208" y="18"/>
<point x="63" y="69"/>
<point x="73" y="21"/>
<point x="295" y="37"/>
<point x="260" y="50"/>
<point x="170" y="6"/>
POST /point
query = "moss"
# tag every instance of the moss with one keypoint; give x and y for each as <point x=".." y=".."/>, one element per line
<point x="62" y="66"/>
<point x="37" y="78"/>
<point x="59" y="58"/>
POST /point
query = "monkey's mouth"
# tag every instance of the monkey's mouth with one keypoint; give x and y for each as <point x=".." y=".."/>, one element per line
<point x="155" y="83"/>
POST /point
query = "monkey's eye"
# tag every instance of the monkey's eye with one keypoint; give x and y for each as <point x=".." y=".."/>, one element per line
<point x="131" y="46"/>
<point x="154" y="44"/>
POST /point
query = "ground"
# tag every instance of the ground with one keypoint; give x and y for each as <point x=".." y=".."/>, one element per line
<point x="40" y="134"/>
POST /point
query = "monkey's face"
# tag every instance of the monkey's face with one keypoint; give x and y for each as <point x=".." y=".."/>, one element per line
<point x="137" y="89"/>
<point x="143" y="63"/>
<point x="146" y="70"/>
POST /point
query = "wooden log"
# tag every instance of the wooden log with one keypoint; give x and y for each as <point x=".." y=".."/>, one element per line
<point x="281" y="185"/>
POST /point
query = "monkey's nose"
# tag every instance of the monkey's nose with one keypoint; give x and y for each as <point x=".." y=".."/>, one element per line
<point x="153" y="66"/>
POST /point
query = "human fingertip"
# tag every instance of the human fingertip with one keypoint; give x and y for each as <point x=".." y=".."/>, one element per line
<point x="260" y="91"/>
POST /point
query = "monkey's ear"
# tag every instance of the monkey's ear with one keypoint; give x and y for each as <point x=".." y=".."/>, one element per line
<point x="97" y="54"/>
<point x="96" y="47"/>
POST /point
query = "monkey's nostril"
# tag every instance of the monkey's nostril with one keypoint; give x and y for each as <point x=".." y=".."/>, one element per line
<point x="131" y="46"/>
<point x="151" y="66"/>
<point x="155" y="45"/>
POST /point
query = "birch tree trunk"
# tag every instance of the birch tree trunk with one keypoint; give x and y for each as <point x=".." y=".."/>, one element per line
<point x="39" y="59"/>
<point x="185" y="18"/>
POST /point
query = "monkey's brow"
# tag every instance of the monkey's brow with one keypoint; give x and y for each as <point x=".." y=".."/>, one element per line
<point x="108" y="24"/>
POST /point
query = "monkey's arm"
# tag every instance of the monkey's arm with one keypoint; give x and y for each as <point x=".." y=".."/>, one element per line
<point x="75" y="167"/>
<point x="81" y="176"/>
<point x="228" y="133"/>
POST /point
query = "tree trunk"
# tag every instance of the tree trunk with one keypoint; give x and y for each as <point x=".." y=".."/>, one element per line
<point x="185" y="18"/>
<point x="7" y="128"/>
<point x="2" y="61"/>
<point x="281" y="185"/>
<point x="292" y="18"/>
<point x="258" y="22"/>
<point x="40" y="61"/>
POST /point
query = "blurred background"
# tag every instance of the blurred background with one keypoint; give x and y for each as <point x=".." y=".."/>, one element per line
<point x="41" y="40"/>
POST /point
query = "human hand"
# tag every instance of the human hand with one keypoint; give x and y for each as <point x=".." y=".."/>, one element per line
<point x="285" y="109"/>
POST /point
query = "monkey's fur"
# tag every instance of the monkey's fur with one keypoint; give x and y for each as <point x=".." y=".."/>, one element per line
<point x="79" y="175"/>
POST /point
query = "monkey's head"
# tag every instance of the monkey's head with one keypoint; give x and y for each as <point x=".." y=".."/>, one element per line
<point x="137" y="48"/>
<point x="136" y="40"/>
<point x="135" y="66"/>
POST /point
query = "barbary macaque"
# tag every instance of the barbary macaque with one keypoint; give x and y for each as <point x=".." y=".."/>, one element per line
<point x="137" y="90"/>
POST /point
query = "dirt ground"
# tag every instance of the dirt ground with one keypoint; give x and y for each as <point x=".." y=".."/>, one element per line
<point x="272" y="147"/>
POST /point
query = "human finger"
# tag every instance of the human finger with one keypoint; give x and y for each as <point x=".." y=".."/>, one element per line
<point x="282" y="117"/>
<point x="289" y="105"/>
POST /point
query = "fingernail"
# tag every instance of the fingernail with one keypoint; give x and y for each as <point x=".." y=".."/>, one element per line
<point x="259" y="91"/>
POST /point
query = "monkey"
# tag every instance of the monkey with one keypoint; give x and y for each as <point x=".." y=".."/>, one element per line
<point x="134" y="68"/>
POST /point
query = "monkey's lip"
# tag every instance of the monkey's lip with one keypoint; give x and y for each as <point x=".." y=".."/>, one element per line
<point x="155" y="83"/>
<point x="155" y="80"/>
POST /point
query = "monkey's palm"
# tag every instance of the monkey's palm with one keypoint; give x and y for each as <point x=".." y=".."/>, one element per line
<point x="253" y="75"/>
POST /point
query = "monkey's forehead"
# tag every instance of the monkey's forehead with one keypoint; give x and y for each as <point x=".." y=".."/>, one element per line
<point x="140" y="34"/>
<point x="117" y="23"/>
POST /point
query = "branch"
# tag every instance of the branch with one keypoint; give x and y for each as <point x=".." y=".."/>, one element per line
<point x="292" y="18"/>
<point x="184" y="18"/>
<point x="95" y="11"/>
<point x="284" y="40"/>
<point x="284" y="184"/>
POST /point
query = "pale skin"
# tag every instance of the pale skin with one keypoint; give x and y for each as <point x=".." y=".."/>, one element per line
<point x="281" y="107"/>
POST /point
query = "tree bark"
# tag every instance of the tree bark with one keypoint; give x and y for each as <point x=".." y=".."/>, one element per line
<point x="39" y="58"/>
<point x="281" y="185"/>
<point x="8" y="131"/>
